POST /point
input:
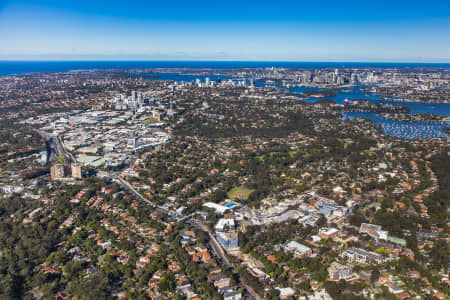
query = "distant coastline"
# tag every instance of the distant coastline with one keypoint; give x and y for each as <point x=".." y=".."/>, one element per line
<point x="15" y="67"/>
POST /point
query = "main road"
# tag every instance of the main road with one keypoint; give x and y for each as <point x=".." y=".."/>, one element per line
<point x="218" y="250"/>
<point x="215" y="245"/>
<point x="129" y="187"/>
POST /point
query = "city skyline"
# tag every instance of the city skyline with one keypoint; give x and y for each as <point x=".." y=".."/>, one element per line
<point x="404" y="31"/>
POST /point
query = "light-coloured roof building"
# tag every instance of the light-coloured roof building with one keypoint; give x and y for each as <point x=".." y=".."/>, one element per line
<point x="298" y="249"/>
<point x="217" y="207"/>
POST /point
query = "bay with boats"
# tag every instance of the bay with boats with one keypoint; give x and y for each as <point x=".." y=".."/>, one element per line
<point x="398" y="128"/>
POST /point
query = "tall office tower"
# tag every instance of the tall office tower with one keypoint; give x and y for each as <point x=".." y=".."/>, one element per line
<point x="307" y="76"/>
<point x="207" y="81"/>
<point x="170" y="112"/>
<point x="76" y="171"/>
<point x="57" y="171"/>
<point x="354" y="78"/>
<point x="133" y="96"/>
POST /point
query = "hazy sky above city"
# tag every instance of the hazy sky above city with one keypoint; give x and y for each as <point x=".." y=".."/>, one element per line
<point x="339" y="30"/>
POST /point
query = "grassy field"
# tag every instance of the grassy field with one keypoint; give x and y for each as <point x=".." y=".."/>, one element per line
<point x="235" y="193"/>
<point x="150" y="121"/>
<point x="59" y="159"/>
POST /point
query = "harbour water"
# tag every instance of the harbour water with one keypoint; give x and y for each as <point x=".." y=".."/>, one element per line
<point x="397" y="128"/>
<point x="402" y="129"/>
<point x="442" y="109"/>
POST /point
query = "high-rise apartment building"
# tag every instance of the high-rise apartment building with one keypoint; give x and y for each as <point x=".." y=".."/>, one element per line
<point x="57" y="171"/>
<point x="76" y="171"/>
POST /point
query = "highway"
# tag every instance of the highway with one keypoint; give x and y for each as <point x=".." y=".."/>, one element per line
<point x="55" y="147"/>
<point x="63" y="151"/>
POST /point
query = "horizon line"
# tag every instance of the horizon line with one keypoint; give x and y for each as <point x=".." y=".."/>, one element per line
<point x="227" y="60"/>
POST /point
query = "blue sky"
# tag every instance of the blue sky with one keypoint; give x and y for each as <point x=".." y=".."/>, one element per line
<point x="395" y="30"/>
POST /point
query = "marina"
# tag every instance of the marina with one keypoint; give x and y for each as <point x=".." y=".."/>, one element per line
<point x="401" y="129"/>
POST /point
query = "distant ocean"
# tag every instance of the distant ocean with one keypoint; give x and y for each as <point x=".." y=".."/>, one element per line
<point x="20" y="67"/>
